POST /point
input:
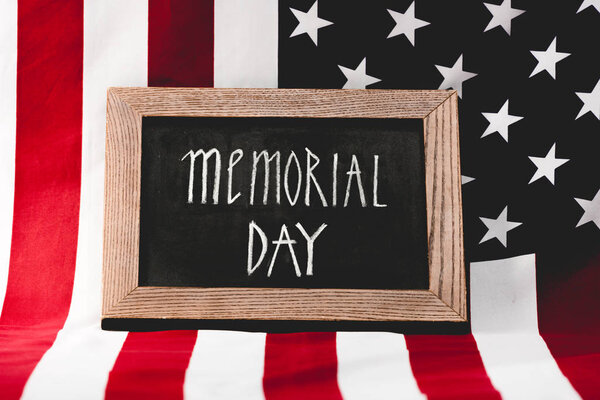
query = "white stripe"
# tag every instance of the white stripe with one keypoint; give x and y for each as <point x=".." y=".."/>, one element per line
<point x="226" y="365"/>
<point x="245" y="43"/>
<point x="76" y="366"/>
<point x="504" y="324"/>
<point x="375" y="365"/>
<point x="115" y="54"/>
<point x="8" y="122"/>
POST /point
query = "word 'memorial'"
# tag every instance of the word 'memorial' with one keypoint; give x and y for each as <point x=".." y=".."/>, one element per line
<point x="306" y="179"/>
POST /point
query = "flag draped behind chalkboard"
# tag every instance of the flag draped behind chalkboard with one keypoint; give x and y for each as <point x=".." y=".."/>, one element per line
<point x="529" y="80"/>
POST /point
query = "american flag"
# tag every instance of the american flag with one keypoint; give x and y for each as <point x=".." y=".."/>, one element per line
<point x="528" y="75"/>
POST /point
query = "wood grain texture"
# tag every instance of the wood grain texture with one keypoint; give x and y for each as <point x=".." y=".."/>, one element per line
<point x="444" y="206"/>
<point x="446" y="298"/>
<point x="121" y="201"/>
<point x="311" y="103"/>
<point x="283" y="304"/>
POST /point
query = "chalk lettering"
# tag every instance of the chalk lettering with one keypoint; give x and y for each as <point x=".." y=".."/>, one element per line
<point x="290" y="243"/>
<point x="310" y="245"/>
<point x="355" y="172"/>
<point x="294" y="182"/>
<point x="310" y="178"/>
<point x="286" y="177"/>
<point x="205" y="156"/>
<point x="375" y="182"/>
<point x="232" y="162"/>
<point x="252" y="227"/>
<point x="334" y="179"/>
<point x="264" y="155"/>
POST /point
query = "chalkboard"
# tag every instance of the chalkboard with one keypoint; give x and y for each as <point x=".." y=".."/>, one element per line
<point x="195" y="234"/>
<point x="282" y="205"/>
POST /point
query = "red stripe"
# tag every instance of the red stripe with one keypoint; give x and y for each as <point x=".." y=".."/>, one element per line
<point x="449" y="367"/>
<point x="578" y="357"/>
<point x="151" y="365"/>
<point x="180" y="53"/>
<point x="568" y="313"/>
<point x="180" y="42"/>
<point x="301" y="366"/>
<point x="47" y="185"/>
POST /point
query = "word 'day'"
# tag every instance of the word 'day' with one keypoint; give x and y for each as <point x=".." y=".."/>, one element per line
<point x="284" y="239"/>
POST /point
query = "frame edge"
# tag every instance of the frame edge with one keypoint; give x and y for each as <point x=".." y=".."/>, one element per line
<point x="127" y="106"/>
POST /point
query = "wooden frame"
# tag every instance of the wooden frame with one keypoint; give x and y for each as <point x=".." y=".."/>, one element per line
<point x="446" y="299"/>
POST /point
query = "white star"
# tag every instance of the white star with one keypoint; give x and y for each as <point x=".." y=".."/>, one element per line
<point x="466" y="179"/>
<point x="502" y="15"/>
<point x="499" y="227"/>
<point x="546" y="166"/>
<point x="454" y="76"/>
<point x="547" y="60"/>
<point x="500" y="121"/>
<point x="358" y="78"/>
<point x="591" y="101"/>
<point x="591" y="210"/>
<point x="586" y="3"/>
<point x="309" y="23"/>
<point x="406" y="23"/>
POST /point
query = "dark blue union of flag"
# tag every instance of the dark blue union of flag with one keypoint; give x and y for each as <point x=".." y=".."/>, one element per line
<point x="528" y="77"/>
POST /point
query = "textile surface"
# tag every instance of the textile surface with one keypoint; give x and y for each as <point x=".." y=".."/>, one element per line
<point x="528" y="77"/>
